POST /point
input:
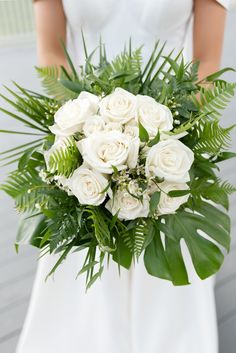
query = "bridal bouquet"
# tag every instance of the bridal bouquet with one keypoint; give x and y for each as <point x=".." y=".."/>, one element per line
<point x="125" y="163"/>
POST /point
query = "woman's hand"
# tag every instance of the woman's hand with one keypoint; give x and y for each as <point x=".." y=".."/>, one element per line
<point x="51" y="30"/>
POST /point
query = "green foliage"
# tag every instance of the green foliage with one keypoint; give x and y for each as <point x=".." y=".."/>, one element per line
<point x="154" y="200"/>
<point x="165" y="262"/>
<point x="51" y="80"/>
<point x="138" y="235"/>
<point x="26" y="188"/>
<point x="216" y="75"/>
<point x="31" y="230"/>
<point x="17" y="153"/>
<point x="56" y="222"/>
<point x="101" y="229"/>
<point x="65" y="159"/>
<point x="62" y="223"/>
<point x="125" y="70"/>
<point x="33" y="113"/>
<point x="212" y="189"/>
<point x="211" y="100"/>
<point x="143" y="134"/>
<point x="190" y="226"/>
<point x="211" y="138"/>
<point x="89" y="266"/>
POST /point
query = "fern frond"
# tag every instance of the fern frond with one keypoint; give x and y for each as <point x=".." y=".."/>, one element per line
<point x="62" y="231"/>
<point x="212" y="138"/>
<point x="139" y="237"/>
<point x="128" y="64"/>
<point x="26" y="188"/>
<point x="187" y="125"/>
<point x="214" y="99"/>
<point x="51" y="77"/>
<point x="219" y="192"/>
<point x="101" y="230"/>
<point x="126" y="68"/>
<point x="135" y="238"/>
<point x="227" y="187"/>
<point x="64" y="160"/>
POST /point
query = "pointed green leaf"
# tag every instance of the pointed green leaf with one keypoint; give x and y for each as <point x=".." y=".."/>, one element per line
<point x="154" y="200"/>
<point x="143" y="134"/>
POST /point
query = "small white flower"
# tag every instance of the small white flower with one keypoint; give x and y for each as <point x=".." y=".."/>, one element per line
<point x="62" y="183"/>
<point x="88" y="186"/>
<point x="104" y="150"/>
<point x="169" y="159"/>
<point x="153" y="115"/>
<point x="119" y="106"/>
<point x="70" y="117"/>
<point x="44" y="176"/>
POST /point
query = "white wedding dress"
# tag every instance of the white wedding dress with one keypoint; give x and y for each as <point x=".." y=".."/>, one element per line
<point x="134" y="313"/>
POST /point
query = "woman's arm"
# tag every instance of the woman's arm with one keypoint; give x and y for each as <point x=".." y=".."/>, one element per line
<point x="208" y="35"/>
<point x="51" y="29"/>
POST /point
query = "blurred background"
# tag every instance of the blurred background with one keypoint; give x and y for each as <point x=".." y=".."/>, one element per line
<point x="17" y="61"/>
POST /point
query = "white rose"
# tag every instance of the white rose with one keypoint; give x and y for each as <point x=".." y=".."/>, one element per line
<point x="167" y="204"/>
<point x="153" y="115"/>
<point x="106" y="149"/>
<point x="88" y="186"/>
<point x="127" y="206"/>
<point x="169" y="159"/>
<point x="111" y="126"/>
<point x="93" y="124"/>
<point x="132" y="131"/>
<point x="119" y="106"/>
<point x="70" y="117"/>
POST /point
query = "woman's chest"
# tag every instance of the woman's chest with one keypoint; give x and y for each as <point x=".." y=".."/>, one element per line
<point x="156" y="16"/>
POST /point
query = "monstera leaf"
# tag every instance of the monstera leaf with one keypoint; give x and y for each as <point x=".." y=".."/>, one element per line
<point x="203" y="231"/>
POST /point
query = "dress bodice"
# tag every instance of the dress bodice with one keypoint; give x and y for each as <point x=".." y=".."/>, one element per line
<point x="116" y="20"/>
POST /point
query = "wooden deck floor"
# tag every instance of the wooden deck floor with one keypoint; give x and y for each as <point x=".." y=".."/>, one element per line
<point x="17" y="271"/>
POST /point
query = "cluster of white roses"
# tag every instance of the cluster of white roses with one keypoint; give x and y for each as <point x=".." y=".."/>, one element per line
<point x="109" y="140"/>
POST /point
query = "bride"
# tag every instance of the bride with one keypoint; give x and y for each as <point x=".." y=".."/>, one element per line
<point x="133" y="313"/>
